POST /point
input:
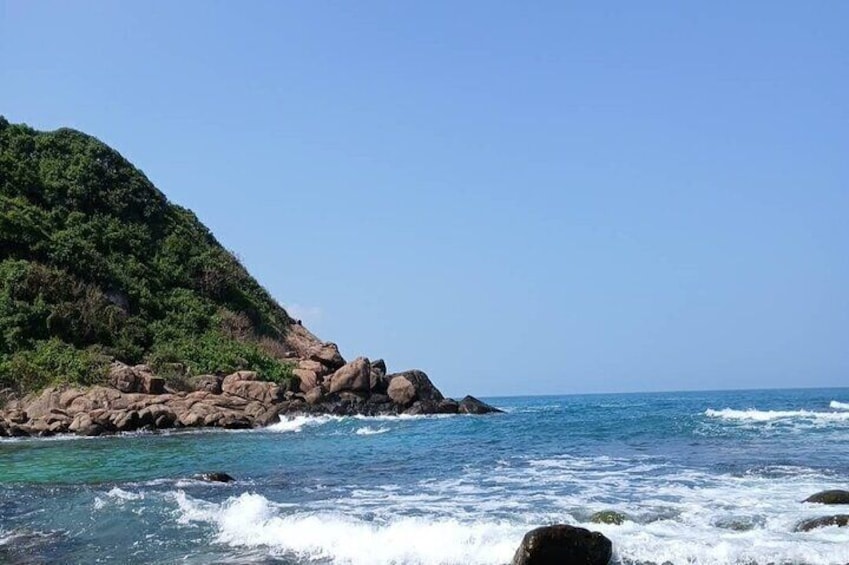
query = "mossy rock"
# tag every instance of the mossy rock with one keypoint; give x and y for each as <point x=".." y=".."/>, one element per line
<point x="839" y="520"/>
<point x="608" y="517"/>
<point x="830" y="497"/>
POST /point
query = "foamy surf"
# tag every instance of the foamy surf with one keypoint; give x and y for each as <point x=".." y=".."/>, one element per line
<point x="839" y="405"/>
<point x="295" y="424"/>
<point x="755" y="415"/>
<point x="251" y="520"/>
<point x="370" y="431"/>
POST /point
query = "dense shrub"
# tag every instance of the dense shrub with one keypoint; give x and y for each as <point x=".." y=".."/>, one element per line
<point x="95" y="263"/>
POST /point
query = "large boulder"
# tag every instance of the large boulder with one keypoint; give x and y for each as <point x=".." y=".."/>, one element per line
<point x="407" y="387"/>
<point x="471" y="405"/>
<point x="839" y="520"/>
<point x="206" y="383"/>
<point x="245" y="385"/>
<point x="307" y="379"/>
<point x="352" y="377"/>
<point x="135" y="379"/>
<point x="824" y="497"/>
<point x="560" y="544"/>
<point x="401" y="391"/>
<point x="328" y="355"/>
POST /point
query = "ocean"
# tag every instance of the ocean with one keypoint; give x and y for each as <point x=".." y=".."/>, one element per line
<point x="703" y="478"/>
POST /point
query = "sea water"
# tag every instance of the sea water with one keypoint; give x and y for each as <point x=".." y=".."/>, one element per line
<point x="703" y="478"/>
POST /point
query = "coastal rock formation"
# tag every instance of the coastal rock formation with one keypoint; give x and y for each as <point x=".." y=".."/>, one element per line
<point x="238" y="400"/>
<point x="829" y="497"/>
<point x="559" y="544"/>
<point x="839" y="520"/>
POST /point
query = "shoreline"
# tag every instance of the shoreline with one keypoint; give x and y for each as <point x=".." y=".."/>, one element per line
<point x="136" y="399"/>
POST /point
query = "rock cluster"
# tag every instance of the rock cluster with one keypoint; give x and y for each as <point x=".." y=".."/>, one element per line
<point x="138" y="399"/>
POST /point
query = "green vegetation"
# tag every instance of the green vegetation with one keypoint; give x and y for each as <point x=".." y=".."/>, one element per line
<point x="96" y="264"/>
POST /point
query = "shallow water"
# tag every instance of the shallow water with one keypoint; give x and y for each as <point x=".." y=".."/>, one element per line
<point x="705" y="478"/>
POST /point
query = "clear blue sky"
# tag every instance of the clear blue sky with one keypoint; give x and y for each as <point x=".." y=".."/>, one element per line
<point x="517" y="197"/>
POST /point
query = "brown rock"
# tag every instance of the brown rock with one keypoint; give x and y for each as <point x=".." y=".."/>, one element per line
<point x="207" y="383"/>
<point x="314" y="396"/>
<point x="328" y="355"/>
<point x="352" y="377"/>
<point x="238" y="376"/>
<point x="422" y="387"/>
<point x="401" y="391"/>
<point x="308" y="379"/>
<point x="267" y="393"/>
<point x="40" y="406"/>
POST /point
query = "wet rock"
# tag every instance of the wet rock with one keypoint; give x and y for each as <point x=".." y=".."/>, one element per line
<point x="829" y="497"/>
<point x="447" y="406"/>
<point x="214" y="477"/>
<point x="839" y="520"/>
<point x="471" y="405"/>
<point x="352" y="377"/>
<point x="608" y="517"/>
<point x="561" y="544"/>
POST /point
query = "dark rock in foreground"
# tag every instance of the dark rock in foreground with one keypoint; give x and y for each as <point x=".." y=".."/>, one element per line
<point x="215" y="477"/>
<point x="561" y="544"/>
<point x="829" y="497"/>
<point x="839" y="520"/>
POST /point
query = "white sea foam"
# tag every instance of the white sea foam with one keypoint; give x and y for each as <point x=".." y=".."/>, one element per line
<point x="839" y="405"/>
<point x="369" y="431"/>
<point x="298" y="423"/>
<point x="755" y="415"/>
<point x="252" y="520"/>
<point x="678" y="515"/>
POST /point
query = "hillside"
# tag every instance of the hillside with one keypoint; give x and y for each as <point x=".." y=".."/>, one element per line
<point x="97" y="265"/>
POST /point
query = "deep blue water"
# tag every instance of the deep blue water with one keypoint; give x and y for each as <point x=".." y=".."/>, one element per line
<point x="704" y="478"/>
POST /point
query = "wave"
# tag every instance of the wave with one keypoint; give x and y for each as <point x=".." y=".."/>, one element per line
<point x="251" y="520"/>
<point x="295" y="424"/>
<point x="699" y="528"/>
<point x="755" y="415"/>
<point x="369" y="431"/>
<point x="839" y="405"/>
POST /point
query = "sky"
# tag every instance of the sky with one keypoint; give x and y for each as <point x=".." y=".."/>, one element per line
<point x="516" y="197"/>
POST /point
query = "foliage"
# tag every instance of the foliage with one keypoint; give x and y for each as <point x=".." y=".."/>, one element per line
<point x="94" y="258"/>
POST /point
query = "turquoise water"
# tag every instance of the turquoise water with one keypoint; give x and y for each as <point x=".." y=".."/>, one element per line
<point x="708" y="477"/>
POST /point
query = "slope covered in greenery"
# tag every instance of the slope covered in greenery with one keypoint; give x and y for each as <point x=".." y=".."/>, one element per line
<point x="96" y="264"/>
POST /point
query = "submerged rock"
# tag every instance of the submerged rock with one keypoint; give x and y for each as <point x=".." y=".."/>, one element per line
<point x="608" y="517"/>
<point x="561" y="544"/>
<point x="839" y="520"/>
<point x="829" y="497"/>
<point x="215" y="477"/>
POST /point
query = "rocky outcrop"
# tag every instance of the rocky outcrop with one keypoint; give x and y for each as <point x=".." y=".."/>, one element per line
<point x="839" y="520"/>
<point x="135" y="400"/>
<point x="559" y="544"/>
<point x="829" y="497"/>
